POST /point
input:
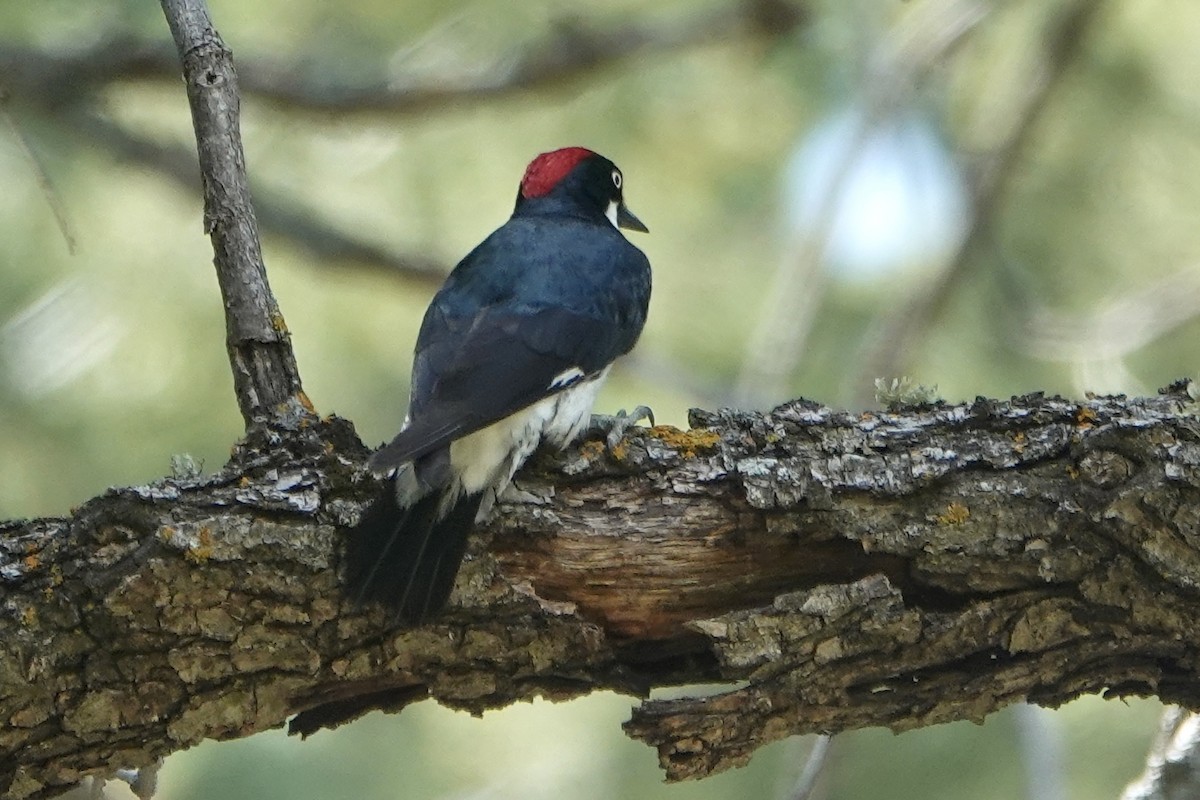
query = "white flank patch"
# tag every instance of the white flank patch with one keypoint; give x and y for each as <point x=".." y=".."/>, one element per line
<point x="572" y="411"/>
<point x="565" y="377"/>
<point x="488" y="458"/>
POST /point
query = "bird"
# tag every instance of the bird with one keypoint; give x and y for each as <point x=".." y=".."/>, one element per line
<point x="510" y="355"/>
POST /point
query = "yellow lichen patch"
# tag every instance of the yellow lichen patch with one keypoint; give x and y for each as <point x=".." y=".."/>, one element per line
<point x="166" y="533"/>
<point x="955" y="514"/>
<point x="1019" y="441"/>
<point x="592" y="450"/>
<point x="29" y="616"/>
<point x="197" y="555"/>
<point x="1072" y="472"/>
<point x="203" y="549"/>
<point x="244" y="482"/>
<point x="32" y="562"/>
<point x="307" y="403"/>
<point x="1086" y="417"/>
<point x="686" y="442"/>
<point x="277" y="322"/>
<point x="620" y="450"/>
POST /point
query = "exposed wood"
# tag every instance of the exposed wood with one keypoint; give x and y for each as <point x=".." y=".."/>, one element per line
<point x="966" y="557"/>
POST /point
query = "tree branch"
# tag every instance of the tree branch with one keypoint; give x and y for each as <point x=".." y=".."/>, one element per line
<point x="265" y="377"/>
<point x="898" y="569"/>
<point x="1173" y="764"/>
<point x="277" y="214"/>
<point x="572" y="50"/>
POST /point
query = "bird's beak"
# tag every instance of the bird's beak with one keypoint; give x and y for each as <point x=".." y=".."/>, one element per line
<point x="626" y="219"/>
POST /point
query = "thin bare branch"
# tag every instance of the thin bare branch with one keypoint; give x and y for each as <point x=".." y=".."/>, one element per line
<point x="40" y="174"/>
<point x="265" y="377"/>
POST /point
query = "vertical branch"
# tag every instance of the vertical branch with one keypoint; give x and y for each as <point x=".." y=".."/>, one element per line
<point x="265" y="376"/>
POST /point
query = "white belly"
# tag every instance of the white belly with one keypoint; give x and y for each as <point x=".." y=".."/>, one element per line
<point x="488" y="458"/>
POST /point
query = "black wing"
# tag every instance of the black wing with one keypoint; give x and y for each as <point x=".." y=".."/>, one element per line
<point x="473" y="373"/>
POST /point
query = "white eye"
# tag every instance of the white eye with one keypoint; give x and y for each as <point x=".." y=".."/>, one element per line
<point x="617" y="178"/>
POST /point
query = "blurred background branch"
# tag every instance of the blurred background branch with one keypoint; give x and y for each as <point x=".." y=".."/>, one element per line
<point x="574" y="49"/>
<point x="818" y="754"/>
<point x="1100" y="342"/>
<point x="71" y="81"/>
<point x="39" y="171"/>
<point x="320" y="241"/>
<point x="894" y="74"/>
<point x="1173" y="763"/>
<point x="988" y="181"/>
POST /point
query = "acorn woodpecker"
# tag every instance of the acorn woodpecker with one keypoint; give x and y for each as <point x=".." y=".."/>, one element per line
<point x="511" y="353"/>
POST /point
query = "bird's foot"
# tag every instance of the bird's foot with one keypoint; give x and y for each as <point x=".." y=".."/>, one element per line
<point x="613" y="428"/>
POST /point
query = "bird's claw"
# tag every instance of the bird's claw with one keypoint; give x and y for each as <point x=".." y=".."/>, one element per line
<point x="614" y="427"/>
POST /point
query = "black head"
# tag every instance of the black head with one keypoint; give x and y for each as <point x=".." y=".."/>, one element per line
<point x="580" y="180"/>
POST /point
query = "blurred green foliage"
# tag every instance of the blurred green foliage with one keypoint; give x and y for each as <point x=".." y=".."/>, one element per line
<point x="111" y="359"/>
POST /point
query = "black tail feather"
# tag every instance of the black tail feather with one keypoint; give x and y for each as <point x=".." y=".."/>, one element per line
<point x="406" y="559"/>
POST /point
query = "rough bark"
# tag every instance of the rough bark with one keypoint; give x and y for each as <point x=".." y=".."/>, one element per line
<point x="896" y="569"/>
